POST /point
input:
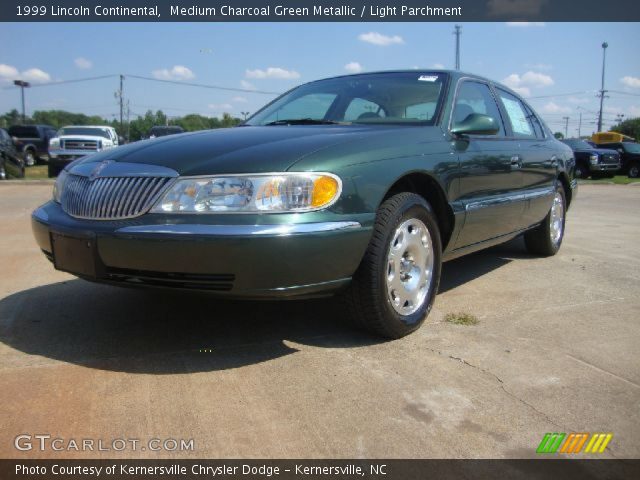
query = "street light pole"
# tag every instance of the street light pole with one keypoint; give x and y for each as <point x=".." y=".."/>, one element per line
<point x="22" y="84"/>
<point x="566" y="126"/>
<point x="244" y="114"/>
<point x="602" y="90"/>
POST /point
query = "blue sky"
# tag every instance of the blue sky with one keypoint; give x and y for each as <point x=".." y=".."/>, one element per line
<point x="536" y="59"/>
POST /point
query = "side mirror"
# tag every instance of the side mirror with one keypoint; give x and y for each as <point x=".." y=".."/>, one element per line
<point x="476" y="124"/>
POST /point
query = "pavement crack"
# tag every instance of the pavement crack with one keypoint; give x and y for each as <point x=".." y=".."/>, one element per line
<point x="504" y="389"/>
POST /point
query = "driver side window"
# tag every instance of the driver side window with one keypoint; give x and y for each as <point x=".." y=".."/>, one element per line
<point x="475" y="97"/>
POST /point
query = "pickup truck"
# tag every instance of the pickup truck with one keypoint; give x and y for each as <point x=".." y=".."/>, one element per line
<point x="32" y="141"/>
<point x="78" y="141"/>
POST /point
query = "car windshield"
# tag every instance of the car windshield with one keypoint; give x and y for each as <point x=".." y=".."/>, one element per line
<point x="388" y="98"/>
<point x="632" y="147"/>
<point x="578" y="144"/>
<point x="94" y="132"/>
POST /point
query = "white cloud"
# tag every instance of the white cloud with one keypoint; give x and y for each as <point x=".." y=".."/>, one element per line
<point x="178" y="72"/>
<point x="220" y="107"/>
<point x="247" y="85"/>
<point x="273" y="72"/>
<point x="525" y="24"/>
<point x="9" y="73"/>
<point x="35" y="75"/>
<point x="353" y="67"/>
<point x="633" y="82"/>
<point x="552" y="107"/>
<point x="82" y="63"/>
<point x="376" y="38"/>
<point x="524" y="83"/>
<point x="437" y="65"/>
<point x="634" y="111"/>
<point x="239" y="100"/>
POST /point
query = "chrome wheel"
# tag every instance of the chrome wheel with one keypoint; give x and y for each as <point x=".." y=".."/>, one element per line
<point x="29" y="159"/>
<point x="556" y="219"/>
<point x="634" y="171"/>
<point x="410" y="262"/>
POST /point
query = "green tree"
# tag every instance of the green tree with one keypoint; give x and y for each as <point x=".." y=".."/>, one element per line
<point x="559" y="135"/>
<point x="630" y="127"/>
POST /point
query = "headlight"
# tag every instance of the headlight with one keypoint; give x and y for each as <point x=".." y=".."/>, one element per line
<point x="54" y="142"/>
<point x="59" y="185"/>
<point x="283" y="192"/>
<point x="593" y="158"/>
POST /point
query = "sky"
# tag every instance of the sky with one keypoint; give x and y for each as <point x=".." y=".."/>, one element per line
<point x="561" y="62"/>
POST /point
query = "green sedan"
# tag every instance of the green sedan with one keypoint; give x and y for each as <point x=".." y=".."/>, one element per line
<point x="359" y="186"/>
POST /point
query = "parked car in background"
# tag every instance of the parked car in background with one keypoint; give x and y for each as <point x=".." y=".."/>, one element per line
<point x="629" y="156"/>
<point x="11" y="165"/>
<point x="32" y="141"/>
<point x="162" y="131"/>
<point x="593" y="162"/>
<point x="77" y="141"/>
<point x="360" y="186"/>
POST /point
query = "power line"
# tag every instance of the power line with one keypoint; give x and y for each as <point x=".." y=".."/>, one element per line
<point x="561" y="94"/>
<point x="63" y="82"/>
<point x="202" y="85"/>
<point x="625" y="93"/>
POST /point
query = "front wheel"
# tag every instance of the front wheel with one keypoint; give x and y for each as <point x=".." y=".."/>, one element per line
<point x="634" y="170"/>
<point x="545" y="240"/>
<point x="395" y="285"/>
<point x="582" y="171"/>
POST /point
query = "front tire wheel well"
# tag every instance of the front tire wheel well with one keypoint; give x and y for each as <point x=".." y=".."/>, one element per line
<point x="429" y="189"/>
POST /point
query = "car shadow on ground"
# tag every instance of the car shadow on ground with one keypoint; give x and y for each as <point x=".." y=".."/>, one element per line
<point x="169" y="332"/>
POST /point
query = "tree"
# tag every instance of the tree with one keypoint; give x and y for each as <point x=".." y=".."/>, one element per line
<point x="559" y="135"/>
<point x="630" y="127"/>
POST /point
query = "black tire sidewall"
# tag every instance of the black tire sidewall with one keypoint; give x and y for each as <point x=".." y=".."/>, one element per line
<point x="417" y="208"/>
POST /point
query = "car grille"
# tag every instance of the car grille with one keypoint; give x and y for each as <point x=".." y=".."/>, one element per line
<point x="110" y="198"/>
<point x="71" y="144"/>
<point x="609" y="159"/>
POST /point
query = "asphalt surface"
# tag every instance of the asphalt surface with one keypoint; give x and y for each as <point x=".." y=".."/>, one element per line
<point x="556" y="350"/>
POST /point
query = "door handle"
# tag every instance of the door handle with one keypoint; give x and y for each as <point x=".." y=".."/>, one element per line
<point x="516" y="162"/>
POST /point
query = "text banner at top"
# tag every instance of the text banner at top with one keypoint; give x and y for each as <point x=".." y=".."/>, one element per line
<point x="319" y="11"/>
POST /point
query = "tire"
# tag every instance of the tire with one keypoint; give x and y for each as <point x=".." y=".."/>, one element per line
<point x="29" y="158"/>
<point x="581" y="171"/>
<point x="545" y="240"/>
<point x="634" y="170"/>
<point x="3" y="173"/>
<point x="53" y="171"/>
<point x="392" y="298"/>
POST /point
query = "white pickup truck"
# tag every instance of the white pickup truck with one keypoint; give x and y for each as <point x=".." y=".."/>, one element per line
<point x="78" y="141"/>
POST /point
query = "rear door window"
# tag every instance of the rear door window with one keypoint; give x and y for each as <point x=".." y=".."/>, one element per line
<point x="521" y="125"/>
<point x="475" y="97"/>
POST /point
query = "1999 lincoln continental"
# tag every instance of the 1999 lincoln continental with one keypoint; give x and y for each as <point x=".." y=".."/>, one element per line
<point x="360" y="185"/>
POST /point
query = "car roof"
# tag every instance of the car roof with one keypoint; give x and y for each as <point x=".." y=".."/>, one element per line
<point x="87" y="126"/>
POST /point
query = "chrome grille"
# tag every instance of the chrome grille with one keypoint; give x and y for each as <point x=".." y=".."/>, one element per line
<point x="110" y="198"/>
<point x="608" y="158"/>
<point x="80" y="144"/>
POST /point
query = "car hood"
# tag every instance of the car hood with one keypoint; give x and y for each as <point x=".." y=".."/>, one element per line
<point x="246" y="149"/>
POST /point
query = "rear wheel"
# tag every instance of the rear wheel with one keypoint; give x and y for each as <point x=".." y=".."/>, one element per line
<point x="29" y="158"/>
<point x="581" y="170"/>
<point x="3" y="173"/>
<point x="634" y="170"/>
<point x="395" y="285"/>
<point x="546" y="239"/>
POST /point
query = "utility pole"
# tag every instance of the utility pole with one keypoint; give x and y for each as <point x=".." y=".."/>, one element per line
<point x="457" y="33"/>
<point x="244" y="114"/>
<point x="602" y="90"/>
<point x="22" y="84"/>
<point x="566" y="126"/>
<point x="579" y="125"/>
<point x="121" y="103"/>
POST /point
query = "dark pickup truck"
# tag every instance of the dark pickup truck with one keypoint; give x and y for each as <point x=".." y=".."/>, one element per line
<point x="593" y="162"/>
<point x="32" y="141"/>
<point x="629" y="156"/>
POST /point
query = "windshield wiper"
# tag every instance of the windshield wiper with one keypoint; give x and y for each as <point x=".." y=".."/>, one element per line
<point x="302" y="121"/>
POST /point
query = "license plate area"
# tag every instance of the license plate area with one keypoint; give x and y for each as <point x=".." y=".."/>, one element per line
<point x="77" y="255"/>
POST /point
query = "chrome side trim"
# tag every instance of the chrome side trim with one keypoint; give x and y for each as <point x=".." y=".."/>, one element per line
<point x="510" y="197"/>
<point x="238" y="230"/>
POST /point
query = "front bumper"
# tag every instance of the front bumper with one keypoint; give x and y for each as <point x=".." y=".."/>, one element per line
<point x="604" y="167"/>
<point x="241" y="260"/>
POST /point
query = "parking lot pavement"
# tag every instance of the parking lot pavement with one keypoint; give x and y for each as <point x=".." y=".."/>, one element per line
<point x="556" y="350"/>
